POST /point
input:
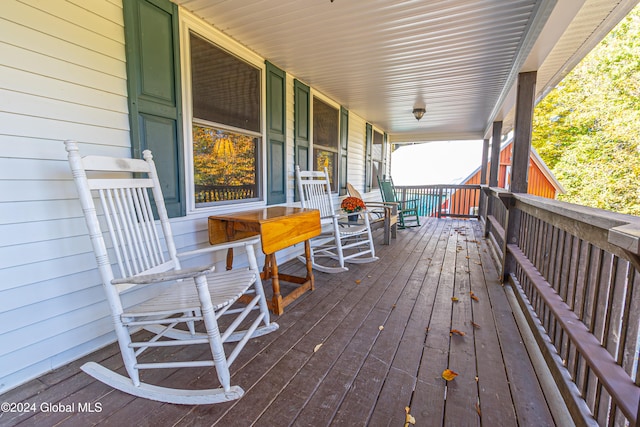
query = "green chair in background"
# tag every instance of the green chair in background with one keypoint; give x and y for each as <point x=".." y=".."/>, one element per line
<point x="407" y="209"/>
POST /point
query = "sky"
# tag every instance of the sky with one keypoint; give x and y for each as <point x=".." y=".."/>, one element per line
<point x="443" y="162"/>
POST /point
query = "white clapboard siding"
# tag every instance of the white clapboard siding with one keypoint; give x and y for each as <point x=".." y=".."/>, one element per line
<point x="36" y="231"/>
<point x="53" y="88"/>
<point x="18" y="147"/>
<point x="32" y="211"/>
<point x="38" y="127"/>
<point x="66" y="51"/>
<point x="31" y="62"/>
<point x="87" y="19"/>
<point x="39" y="291"/>
<point x="357" y="146"/>
<point x="62" y="76"/>
<point x="46" y="271"/>
<point x="35" y="105"/>
<point x="84" y="30"/>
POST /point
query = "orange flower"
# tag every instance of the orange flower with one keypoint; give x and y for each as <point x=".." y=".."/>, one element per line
<point x="352" y="204"/>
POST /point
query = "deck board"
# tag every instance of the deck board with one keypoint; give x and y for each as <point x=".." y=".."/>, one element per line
<point x="361" y="374"/>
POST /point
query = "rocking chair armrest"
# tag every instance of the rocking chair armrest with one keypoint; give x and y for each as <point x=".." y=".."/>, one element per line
<point x="391" y="206"/>
<point x="253" y="240"/>
<point x="165" y="276"/>
<point x="407" y="203"/>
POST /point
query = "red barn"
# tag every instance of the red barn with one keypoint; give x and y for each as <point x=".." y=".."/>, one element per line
<point x="542" y="182"/>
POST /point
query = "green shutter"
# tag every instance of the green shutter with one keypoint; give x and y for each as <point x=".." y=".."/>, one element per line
<point x="344" y="146"/>
<point x="302" y="101"/>
<point x="368" y="158"/>
<point x="301" y="140"/>
<point x="386" y="167"/>
<point x="153" y="82"/>
<point x="276" y="140"/>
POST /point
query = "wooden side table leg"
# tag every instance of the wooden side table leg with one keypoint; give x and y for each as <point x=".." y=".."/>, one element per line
<point x="307" y="255"/>
<point x="387" y="226"/>
<point x="276" y="301"/>
<point x="229" y="258"/>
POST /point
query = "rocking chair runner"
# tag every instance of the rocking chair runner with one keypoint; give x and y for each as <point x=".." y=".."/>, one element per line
<point x="194" y="294"/>
<point x="407" y="209"/>
<point x="340" y="240"/>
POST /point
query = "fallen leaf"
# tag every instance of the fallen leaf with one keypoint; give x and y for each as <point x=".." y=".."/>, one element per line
<point x="316" y="348"/>
<point x="457" y="332"/>
<point x="358" y="282"/>
<point x="478" y="409"/>
<point x="474" y="297"/>
<point x="449" y="375"/>
<point x="408" y="418"/>
<point x="454" y="299"/>
<point x="477" y="379"/>
<point x="475" y="325"/>
<point x="380" y="327"/>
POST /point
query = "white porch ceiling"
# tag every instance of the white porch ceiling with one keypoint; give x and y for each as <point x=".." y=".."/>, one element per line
<point x="380" y="58"/>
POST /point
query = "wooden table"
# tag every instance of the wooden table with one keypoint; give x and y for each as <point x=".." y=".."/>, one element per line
<point x="279" y="228"/>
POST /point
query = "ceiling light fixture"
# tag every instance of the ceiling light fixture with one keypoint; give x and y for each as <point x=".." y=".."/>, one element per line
<point x="418" y="113"/>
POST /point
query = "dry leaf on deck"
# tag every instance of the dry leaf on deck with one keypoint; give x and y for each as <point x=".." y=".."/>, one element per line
<point x="457" y="332"/>
<point x="358" y="281"/>
<point x="478" y="409"/>
<point x="316" y="348"/>
<point x="454" y="299"/>
<point x="474" y="297"/>
<point x="408" y="418"/>
<point x="449" y="375"/>
<point x="475" y="325"/>
<point x="380" y="327"/>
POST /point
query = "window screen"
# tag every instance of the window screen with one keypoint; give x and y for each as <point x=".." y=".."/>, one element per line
<point x="225" y="89"/>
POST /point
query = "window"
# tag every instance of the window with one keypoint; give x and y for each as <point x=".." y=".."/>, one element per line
<point x="325" y="139"/>
<point x="377" y="158"/>
<point x="226" y="124"/>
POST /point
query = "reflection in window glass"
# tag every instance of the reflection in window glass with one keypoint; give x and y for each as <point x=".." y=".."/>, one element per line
<point x="225" y="165"/>
<point x="325" y="159"/>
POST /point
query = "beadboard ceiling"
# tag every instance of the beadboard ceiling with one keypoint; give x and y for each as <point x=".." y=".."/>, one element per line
<point x="381" y="58"/>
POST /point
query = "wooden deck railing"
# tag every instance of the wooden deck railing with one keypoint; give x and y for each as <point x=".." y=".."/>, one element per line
<point x="459" y="201"/>
<point x="216" y="193"/>
<point x="575" y="271"/>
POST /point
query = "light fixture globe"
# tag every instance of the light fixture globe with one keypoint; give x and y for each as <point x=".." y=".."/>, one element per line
<point x="418" y="113"/>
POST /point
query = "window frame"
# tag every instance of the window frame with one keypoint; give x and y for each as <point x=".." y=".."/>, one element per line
<point x="335" y="184"/>
<point x="190" y="23"/>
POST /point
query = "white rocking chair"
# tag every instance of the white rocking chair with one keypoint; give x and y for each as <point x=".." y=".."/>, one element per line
<point x="340" y="239"/>
<point x="192" y="295"/>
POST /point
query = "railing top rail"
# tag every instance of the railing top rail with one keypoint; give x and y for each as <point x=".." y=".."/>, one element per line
<point x="618" y="233"/>
<point x="456" y="186"/>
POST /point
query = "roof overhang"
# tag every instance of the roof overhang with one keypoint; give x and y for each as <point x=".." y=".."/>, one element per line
<point x="459" y="59"/>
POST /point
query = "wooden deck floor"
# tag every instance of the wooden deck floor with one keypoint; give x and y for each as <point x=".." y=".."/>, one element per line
<point x="385" y="329"/>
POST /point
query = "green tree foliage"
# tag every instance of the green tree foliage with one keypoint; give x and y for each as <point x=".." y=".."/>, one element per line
<point x="587" y="129"/>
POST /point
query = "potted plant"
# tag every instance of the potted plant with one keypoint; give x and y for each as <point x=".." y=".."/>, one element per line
<point x="352" y="205"/>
